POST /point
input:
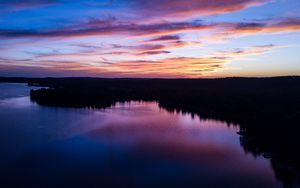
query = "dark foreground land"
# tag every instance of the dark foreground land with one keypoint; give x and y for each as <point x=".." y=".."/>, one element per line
<point x="266" y="109"/>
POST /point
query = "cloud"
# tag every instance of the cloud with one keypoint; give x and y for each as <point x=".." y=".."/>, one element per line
<point x="162" y="9"/>
<point x="246" y="51"/>
<point x="145" y="9"/>
<point x="154" y="52"/>
<point x="275" y="26"/>
<point x="88" y="51"/>
<point x="169" y="67"/>
<point x="147" y="30"/>
<point x="170" y="42"/>
<point x="153" y="49"/>
<point x="108" y="27"/>
<point x="229" y="30"/>
<point x="206" y="66"/>
<point x="164" y="32"/>
<point x="165" y="38"/>
<point x="181" y="9"/>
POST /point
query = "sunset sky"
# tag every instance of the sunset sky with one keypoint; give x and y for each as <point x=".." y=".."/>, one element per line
<point x="149" y="38"/>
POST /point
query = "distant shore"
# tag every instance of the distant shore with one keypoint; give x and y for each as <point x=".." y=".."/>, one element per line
<point x="250" y="98"/>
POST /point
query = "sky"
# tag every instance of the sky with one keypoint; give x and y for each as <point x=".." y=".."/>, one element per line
<point x="150" y="38"/>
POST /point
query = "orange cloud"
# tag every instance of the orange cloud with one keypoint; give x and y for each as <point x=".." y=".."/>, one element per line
<point x="168" y="67"/>
<point x="171" y="67"/>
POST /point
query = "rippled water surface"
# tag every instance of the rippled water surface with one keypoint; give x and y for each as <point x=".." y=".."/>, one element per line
<point x="134" y="144"/>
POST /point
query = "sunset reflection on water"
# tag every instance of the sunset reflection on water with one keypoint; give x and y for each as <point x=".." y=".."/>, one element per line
<point x="137" y="144"/>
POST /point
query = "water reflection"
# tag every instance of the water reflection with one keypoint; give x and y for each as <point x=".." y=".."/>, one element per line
<point x="134" y="144"/>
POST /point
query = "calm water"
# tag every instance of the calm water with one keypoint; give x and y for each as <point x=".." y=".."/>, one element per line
<point x="133" y="144"/>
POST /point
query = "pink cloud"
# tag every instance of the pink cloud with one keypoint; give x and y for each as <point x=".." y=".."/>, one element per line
<point x="181" y="9"/>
